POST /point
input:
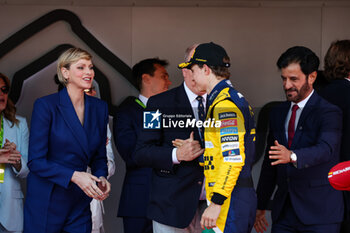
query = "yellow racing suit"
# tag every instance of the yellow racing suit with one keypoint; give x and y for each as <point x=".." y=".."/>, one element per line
<point x="228" y="157"/>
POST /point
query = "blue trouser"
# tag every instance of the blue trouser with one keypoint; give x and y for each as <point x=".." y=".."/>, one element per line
<point x="242" y="210"/>
<point x="68" y="212"/>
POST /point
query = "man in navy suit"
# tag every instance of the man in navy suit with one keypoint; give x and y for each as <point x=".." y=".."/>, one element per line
<point x="177" y="177"/>
<point x="303" y="144"/>
<point x="152" y="78"/>
<point x="337" y="69"/>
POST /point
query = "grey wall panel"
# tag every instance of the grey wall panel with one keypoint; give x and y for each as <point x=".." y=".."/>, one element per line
<point x="335" y="26"/>
<point x="111" y="26"/>
<point x="253" y="37"/>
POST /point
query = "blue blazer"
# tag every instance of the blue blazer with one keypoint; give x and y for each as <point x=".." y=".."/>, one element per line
<point x="135" y="192"/>
<point x="11" y="196"/>
<point x="58" y="146"/>
<point x="316" y="143"/>
<point x="175" y="189"/>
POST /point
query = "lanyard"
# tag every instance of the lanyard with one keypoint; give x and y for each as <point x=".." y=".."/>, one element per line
<point x="1" y="131"/>
<point x="2" y="166"/>
<point x="140" y="103"/>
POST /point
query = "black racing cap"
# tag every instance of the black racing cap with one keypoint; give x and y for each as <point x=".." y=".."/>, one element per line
<point x="210" y="54"/>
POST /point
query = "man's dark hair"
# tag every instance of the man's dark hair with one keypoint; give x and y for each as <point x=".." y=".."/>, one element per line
<point x="146" y="67"/>
<point x="337" y="60"/>
<point x="303" y="56"/>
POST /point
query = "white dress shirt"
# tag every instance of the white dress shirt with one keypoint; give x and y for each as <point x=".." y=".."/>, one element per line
<point x="143" y="99"/>
<point x="194" y="104"/>
<point x="301" y="106"/>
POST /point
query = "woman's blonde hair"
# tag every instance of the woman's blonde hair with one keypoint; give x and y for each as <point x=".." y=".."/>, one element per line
<point x="67" y="58"/>
<point x="10" y="109"/>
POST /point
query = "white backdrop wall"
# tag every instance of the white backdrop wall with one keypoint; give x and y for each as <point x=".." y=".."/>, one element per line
<point x="254" y="37"/>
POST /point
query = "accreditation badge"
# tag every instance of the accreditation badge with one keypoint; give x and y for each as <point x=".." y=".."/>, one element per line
<point x="2" y="173"/>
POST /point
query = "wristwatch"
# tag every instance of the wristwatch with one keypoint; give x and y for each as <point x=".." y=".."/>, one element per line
<point x="293" y="157"/>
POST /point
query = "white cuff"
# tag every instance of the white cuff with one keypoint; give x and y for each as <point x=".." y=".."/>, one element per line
<point x="175" y="161"/>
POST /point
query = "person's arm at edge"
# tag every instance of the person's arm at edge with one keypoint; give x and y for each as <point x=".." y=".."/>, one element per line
<point x="125" y="136"/>
<point x="23" y="147"/>
<point x="110" y="155"/>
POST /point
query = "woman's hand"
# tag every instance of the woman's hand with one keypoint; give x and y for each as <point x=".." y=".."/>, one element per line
<point x="9" y="145"/>
<point x="15" y="154"/>
<point x="9" y="154"/>
<point x="6" y="156"/>
<point x="105" y="187"/>
<point x="261" y="223"/>
<point x="87" y="183"/>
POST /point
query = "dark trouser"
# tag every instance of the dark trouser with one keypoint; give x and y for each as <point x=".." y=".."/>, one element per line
<point x="137" y="225"/>
<point x="289" y="222"/>
<point x="345" y="225"/>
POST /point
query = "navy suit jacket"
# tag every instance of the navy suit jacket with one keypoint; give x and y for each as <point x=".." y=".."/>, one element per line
<point x="135" y="193"/>
<point x="175" y="189"/>
<point x="338" y="93"/>
<point x="59" y="145"/>
<point x="316" y="143"/>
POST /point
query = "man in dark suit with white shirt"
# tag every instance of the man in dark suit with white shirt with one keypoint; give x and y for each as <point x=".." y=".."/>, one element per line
<point x="303" y="144"/>
<point x="177" y="177"/>
<point x="152" y="78"/>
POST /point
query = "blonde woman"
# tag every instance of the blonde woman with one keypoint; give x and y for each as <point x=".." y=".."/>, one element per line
<point x="68" y="134"/>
